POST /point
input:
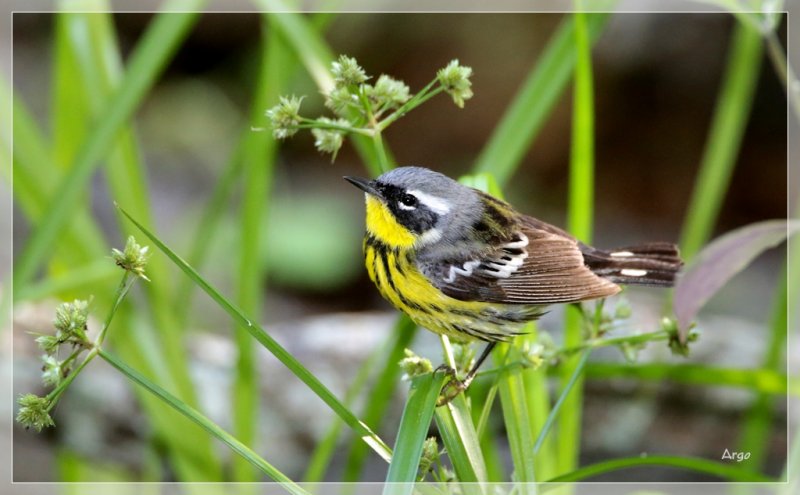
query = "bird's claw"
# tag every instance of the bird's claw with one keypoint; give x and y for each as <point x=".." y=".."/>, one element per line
<point x="452" y="388"/>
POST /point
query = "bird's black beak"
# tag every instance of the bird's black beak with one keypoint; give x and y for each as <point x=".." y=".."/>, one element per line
<point x="365" y="185"/>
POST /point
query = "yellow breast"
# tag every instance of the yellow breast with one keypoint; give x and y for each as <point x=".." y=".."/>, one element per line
<point x="408" y="290"/>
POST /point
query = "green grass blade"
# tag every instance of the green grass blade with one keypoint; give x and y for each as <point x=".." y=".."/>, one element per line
<point x="724" y="139"/>
<point x="367" y="435"/>
<point x="461" y="441"/>
<point x="76" y="281"/>
<point x="534" y="101"/>
<point x="760" y="380"/>
<point x="215" y="207"/>
<point x="514" y="402"/>
<point x="538" y="394"/>
<point x="579" y="222"/>
<point x="581" y="173"/>
<point x="324" y="451"/>
<point x="413" y="431"/>
<point x="71" y="114"/>
<point x="381" y="394"/>
<point x="147" y="61"/>
<point x="306" y="42"/>
<point x="577" y="374"/>
<point x="35" y="182"/>
<point x="705" y="466"/>
<point x="101" y="73"/>
<point x="259" y="161"/>
<point x="482" y="397"/>
<point x="210" y="217"/>
<point x="212" y="428"/>
<point x="760" y="417"/>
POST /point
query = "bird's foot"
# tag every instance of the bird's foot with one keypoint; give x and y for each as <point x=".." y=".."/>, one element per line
<point x="453" y="387"/>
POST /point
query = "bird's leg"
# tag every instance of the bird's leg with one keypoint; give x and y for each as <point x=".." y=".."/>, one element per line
<point x="456" y="386"/>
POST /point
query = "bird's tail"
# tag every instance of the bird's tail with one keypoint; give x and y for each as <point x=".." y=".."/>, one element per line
<point x="655" y="264"/>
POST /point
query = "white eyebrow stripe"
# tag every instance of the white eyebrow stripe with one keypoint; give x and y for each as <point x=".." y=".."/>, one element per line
<point x="435" y="204"/>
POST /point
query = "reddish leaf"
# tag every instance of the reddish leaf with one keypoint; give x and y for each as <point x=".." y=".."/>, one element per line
<point x="718" y="262"/>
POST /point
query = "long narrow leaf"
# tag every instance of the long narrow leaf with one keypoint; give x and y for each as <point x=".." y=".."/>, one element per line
<point x="515" y="412"/>
<point x="760" y="380"/>
<point x="367" y="435"/>
<point x="413" y="431"/>
<point x="714" y="468"/>
<point x="380" y="394"/>
<point x="720" y="261"/>
<point x="35" y="183"/>
<point x="151" y="55"/>
<point x="259" y="162"/>
<point x="576" y="375"/>
<point x="535" y="100"/>
<point x="724" y="139"/>
<point x="101" y="73"/>
<point x="461" y="441"/>
<point x="205" y="423"/>
<point x="580" y="216"/>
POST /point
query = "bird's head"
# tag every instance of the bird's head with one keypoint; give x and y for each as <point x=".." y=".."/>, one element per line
<point x="414" y="206"/>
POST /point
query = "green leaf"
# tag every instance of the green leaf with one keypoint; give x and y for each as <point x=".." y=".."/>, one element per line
<point x="413" y="431"/>
<point x="205" y="423"/>
<point x="150" y="56"/>
<point x="91" y="41"/>
<point x="362" y="430"/>
<point x="761" y="380"/>
<point x="381" y="393"/>
<point x="580" y="216"/>
<point x="513" y="399"/>
<point x="533" y="103"/>
<point x="724" y="139"/>
<point x="551" y="418"/>
<point x="461" y="441"/>
<point x="714" y="468"/>
<point x="258" y="157"/>
<point x="35" y="182"/>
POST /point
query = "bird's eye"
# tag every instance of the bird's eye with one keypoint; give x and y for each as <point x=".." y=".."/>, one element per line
<point x="408" y="201"/>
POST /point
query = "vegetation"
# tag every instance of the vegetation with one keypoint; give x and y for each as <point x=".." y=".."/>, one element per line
<point x="94" y="99"/>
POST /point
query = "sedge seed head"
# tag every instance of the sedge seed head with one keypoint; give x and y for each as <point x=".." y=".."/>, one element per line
<point x="71" y="320"/>
<point x="388" y="92"/>
<point x="133" y="259"/>
<point x="48" y="343"/>
<point x="329" y="140"/>
<point x="285" y="117"/>
<point x="455" y="80"/>
<point x="340" y="99"/>
<point x="52" y="371"/>
<point x="347" y="72"/>
<point x="413" y="365"/>
<point x="33" y="412"/>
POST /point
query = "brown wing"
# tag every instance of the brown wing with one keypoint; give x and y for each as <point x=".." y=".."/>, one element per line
<point x="538" y="265"/>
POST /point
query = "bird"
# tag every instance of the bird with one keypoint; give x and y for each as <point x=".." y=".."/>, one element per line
<point x="462" y="263"/>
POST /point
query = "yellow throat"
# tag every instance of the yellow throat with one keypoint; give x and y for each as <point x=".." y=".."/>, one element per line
<point x="382" y="224"/>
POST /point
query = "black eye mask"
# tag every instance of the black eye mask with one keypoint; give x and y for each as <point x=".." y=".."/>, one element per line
<point x="417" y="219"/>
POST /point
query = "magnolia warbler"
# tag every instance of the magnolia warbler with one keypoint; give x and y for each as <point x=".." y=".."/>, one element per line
<point x="464" y="264"/>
